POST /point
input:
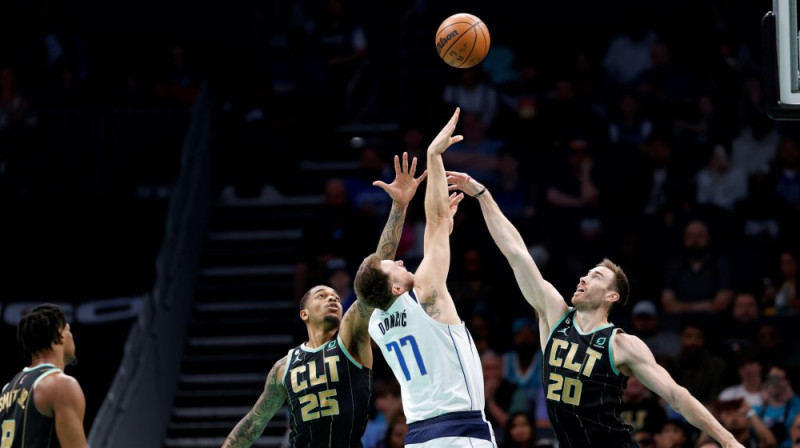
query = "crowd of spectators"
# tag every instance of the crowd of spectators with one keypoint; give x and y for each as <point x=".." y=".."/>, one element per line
<point x="650" y="148"/>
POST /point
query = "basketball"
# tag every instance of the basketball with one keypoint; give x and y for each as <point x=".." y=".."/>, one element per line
<point x="462" y="40"/>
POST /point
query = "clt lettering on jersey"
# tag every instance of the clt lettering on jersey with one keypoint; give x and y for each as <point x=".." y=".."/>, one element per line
<point x="310" y="374"/>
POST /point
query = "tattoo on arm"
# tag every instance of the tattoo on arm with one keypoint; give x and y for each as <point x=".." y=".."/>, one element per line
<point x="390" y="238"/>
<point x="250" y="428"/>
<point x="430" y="305"/>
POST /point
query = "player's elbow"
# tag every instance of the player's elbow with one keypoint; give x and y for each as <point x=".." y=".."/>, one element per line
<point x="677" y="396"/>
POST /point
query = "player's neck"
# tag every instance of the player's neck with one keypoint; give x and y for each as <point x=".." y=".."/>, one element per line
<point x="49" y="357"/>
<point x="589" y="320"/>
<point x="318" y="337"/>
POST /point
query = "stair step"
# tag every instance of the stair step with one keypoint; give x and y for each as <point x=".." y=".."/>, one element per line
<point x="202" y="379"/>
<point x="247" y="271"/>
<point x="261" y="305"/>
<point x="244" y="288"/>
<point x="227" y="341"/>
<point x="216" y="442"/>
<point x="256" y="235"/>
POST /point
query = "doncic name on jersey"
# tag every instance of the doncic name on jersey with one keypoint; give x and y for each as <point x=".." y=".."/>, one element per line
<point x="392" y="320"/>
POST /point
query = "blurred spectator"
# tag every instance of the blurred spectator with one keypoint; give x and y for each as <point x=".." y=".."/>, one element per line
<point x="627" y="56"/>
<point x="704" y="126"/>
<point x="14" y="107"/>
<point x="519" y="432"/>
<point x="512" y="191"/>
<point x="794" y="432"/>
<point x="665" y="344"/>
<point x="340" y="231"/>
<point x="770" y="345"/>
<point x="477" y="154"/>
<point x="386" y="404"/>
<point x="658" y="183"/>
<point x="749" y="388"/>
<point x="721" y="184"/>
<point x="574" y="188"/>
<point x="343" y="45"/>
<point x="740" y="327"/>
<point x="371" y="200"/>
<point x="668" y="89"/>
<point x="697" y="369"/>
<point x="781" y="404"/>
<point x="672" y="435"/>
<point x="471" y="286"/>
<point x="753" y="150"/>
<point x="340" y="279"/>
<point x="629" y="128"/>
<point x="787" y="183"/>
<point x="178" y="84"/>
<point x="473" y="96"/>
<point x="697" y="281"/>
<point x="738" y="417"/>
<point x="502" y="396"/>
<point x="396" y="431"/>
<point x="640" y="409"/>
<point x="563" y="116"/>
<point x="522" y="365"/>
<point x="780" y="295"/>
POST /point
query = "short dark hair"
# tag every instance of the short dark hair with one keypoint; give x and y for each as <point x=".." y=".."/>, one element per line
<point x="372" y="284"/>
<point x="620" y="284"/>
<point x="39" y="328"/>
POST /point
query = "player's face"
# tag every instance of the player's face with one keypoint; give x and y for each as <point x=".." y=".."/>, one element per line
<point x="593" y="287"/>
<point x="324" y="306"/>
<point x="398" y="274"/>
<point x="69" y="345"/>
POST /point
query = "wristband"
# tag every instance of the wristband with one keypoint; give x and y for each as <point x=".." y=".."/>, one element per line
<point x="480" y="193"/>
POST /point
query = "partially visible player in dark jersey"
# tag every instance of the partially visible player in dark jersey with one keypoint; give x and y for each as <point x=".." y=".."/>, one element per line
<point x="41" y="407"/>
<point x="585" y="358"/>
<point x="326" y="380"/>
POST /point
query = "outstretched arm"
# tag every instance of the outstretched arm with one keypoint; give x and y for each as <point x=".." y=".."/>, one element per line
<point x="633" y="357"/>
<point x="250" y="428"/>
<point x="431" y="276"/>
<point x="354" y="329"/>
<point x="542" y="296"/>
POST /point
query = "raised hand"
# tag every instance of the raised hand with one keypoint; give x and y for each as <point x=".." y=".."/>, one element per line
<point x="446" y="138"/>
<point x="462" y="182"/>
<point x="455" y="199"/>
<point x="404" y="185"/>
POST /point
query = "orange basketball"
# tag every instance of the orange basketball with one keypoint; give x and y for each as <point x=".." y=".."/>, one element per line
<point x="462" y="40"/>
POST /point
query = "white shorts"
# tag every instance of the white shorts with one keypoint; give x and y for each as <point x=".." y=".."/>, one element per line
<point x="455" y="442"/>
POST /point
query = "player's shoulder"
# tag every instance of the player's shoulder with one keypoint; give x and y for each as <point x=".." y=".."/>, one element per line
<point x="59" y="387"/>
<point x="628" y="347"/>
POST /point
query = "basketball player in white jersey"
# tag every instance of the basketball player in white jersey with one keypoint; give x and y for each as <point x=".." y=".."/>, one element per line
<point x="417" y="328"/>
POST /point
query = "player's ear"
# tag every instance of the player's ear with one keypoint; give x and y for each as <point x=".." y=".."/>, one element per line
<point x="397" y="289"/>
<point x="304" y="315"/>
<point x="612" y="296"/>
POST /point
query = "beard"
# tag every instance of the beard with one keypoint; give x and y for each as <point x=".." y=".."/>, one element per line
<point x="332" y="320"/>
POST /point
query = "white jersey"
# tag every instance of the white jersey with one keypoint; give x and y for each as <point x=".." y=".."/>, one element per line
<point x="437" y="365"/>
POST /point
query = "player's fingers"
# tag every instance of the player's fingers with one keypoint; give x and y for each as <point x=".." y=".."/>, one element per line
<point x="456" y="139"/>
<point x="452" y="187"/>
<point x="397" y="164"/>
<point x="380" y="184"/>
<point x="422" y="176"/>
<point x="405" y="162"/>
<point x="413" y="166"/>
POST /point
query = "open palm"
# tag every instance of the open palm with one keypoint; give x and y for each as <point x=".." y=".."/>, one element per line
<point x="404" y="185"/>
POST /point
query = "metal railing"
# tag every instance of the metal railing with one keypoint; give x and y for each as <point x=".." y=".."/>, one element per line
<point x="136" y="410"/>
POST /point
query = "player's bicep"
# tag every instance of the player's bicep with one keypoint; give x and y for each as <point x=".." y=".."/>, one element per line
<point x="69" y="406"/>
<point x="633" y="357"/>
<point x="274" y="395"/>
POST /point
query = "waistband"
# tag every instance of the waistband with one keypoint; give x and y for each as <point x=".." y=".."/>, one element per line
<point x="453" y="424"/>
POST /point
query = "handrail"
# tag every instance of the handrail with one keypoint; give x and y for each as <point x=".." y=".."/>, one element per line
<point x="136" y="409"/>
